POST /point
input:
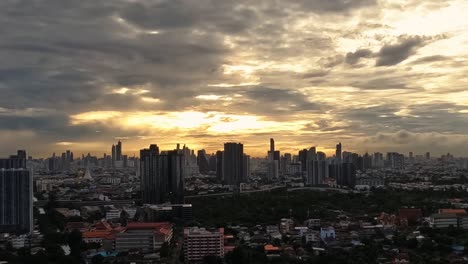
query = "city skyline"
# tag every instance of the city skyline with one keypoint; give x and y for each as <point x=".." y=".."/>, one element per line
<point x="261" y="153"/>
<point x="376" y="75"/>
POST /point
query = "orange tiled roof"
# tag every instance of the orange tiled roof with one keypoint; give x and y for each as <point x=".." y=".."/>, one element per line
<point x="452" y="211"/>
<point x="96" y="234"/>
<point x="271" y="248"/>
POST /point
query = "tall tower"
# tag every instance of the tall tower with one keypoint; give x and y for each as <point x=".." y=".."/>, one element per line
<point x="171" y="173"/>
<point x="219" y="166"/>
<point x="272" y="149"/>
<point x="16" y="199"/>
<point x="338" y="152"/>
<point x="118" y="151"/>
<point x="150" y="179"/>
<point x="114" y="155"/>
<point x="233" y="163"/>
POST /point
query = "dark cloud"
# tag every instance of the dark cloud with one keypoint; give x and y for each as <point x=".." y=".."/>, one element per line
<point x="61" y="58"/>
<point x="354" y="57"/>
<point x="431" y="59"/>
<point x="392" y="54"/>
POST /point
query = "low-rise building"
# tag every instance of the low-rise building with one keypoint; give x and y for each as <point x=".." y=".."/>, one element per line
<point x="199" y="243"/>
<point x="444" y="220"/>
<point x="146" y="237"/>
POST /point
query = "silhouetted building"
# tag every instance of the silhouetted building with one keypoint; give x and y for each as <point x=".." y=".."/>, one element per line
<point x="202" y="162"/>
<point x="171" y="166"/>
<point x="338" y="152"/>
<point x="233" y="164"/>
<point x="118" y="151"/>
<point x="149" y="174"/>
<point x="212" y="162"/>
<point x="219" y="166"/>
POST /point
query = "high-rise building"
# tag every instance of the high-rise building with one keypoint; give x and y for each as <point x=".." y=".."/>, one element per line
<point x="366" y="162"/>
<point x="219" y="166"/>
<point x="202" y="162"/>
<point x="162" y="176"/>
<point x="273" y="162"/>
<point x="171" y="164"/>
<point x="212" y="162"/>
<point x="338" y="152"/>
<point x="118" y="151"/>
<point x="16" y="195"/>
<point x="114" y="155"/>
<point x="395" y="160"/>
<point x="14" y="161"/>
<point x="378" y="161"/>
<point x="246" y="173"/>
<point x="428" y="155"/>
<point x="285" y="162"/>
<point x="302" y="158"/>
<point x="233" y="163"/>
<point x="348" y="175"/>
<point x="149" y="175"/>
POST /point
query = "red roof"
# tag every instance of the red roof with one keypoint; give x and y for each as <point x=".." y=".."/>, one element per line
<point x="452" y="211"/>
<point x="271" y="248"/>
<point x="156" y="225"/>
<point x="96" y="234"/>
<point x="411" y="214"/>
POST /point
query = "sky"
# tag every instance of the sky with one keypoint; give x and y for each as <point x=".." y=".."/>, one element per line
<point x="377" y="75"/>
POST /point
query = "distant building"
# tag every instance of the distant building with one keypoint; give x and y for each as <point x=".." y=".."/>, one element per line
<point x="202" y="162"/>
<point x="200" y="243"/>
<point x="219" y="166"/>
<point x="338" y="155"/>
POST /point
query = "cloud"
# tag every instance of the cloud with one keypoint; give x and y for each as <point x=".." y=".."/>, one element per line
<point x="354" y="57"/>
<point x="262" y="62"/>
<point x="392" y="54"/>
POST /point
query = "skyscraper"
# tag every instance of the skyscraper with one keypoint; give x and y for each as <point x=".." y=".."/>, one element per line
<point x="338" y="152"/>
<point x="202" y="162"/>
<point x="273" y="162"/>
<point x="114" y="155"/>
<point x="162" y="175"/>
<point x="16" y="192"/>
<point x="171" y="165"/>
<point x="233" y="163"/>
<point x="149" y="175"/>
<point x="118" y="151"/>
<point x="219" y="166"/>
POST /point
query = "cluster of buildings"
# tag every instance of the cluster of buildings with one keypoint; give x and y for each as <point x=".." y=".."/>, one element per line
<point x="103" y="191"/>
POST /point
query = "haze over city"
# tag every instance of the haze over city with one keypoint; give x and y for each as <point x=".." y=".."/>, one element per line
<point x="376" y="75"/>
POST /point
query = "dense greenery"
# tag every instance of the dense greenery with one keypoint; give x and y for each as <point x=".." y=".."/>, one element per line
<point x="269" y="207"/>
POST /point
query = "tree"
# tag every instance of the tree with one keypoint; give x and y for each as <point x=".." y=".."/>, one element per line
<point x="164" y="251"/>
<point x="212" y="260"/>
<point x="74" y="240"/>
<point x="97" y="259"/>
